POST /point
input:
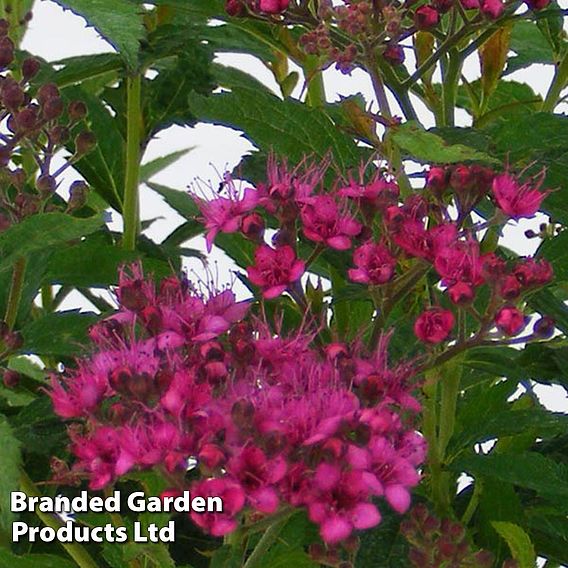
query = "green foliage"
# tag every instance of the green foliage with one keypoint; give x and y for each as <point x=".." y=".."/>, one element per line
<point x="9" y="470"/>
<point x="118" y="21"/>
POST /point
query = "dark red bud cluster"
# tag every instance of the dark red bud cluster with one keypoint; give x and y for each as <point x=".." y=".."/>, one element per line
<point x="440" y="542"/>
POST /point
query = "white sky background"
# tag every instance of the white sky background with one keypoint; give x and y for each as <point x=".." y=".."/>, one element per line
<point x="56" y="34"/>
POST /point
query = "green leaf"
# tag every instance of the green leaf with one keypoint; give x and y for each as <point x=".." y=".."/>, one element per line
<point x="383" y="546"/>
<point x="498" y="501"/>
<point x="26" y="366"/>
<point x="9" y="470"/>
<point x="530" y="46"/>
<point x="554" y="250"/>
<point x="103" y="168"/>
<point x="118" y="21"/>
<point x="519" y="542"/>
<point x="546" y="147"/>
<point x="164" y="97"/>
<point x="546" y="303"/>
<point x="59" y="333"/>
<point x="73" y="70"/>
<point x="41" y="232"/>
<point x="178" y="200"/>
<point x="287" y="127"/>
<point x="527" y="469"/>
<point x="39" y="430"/>
<point x="92" y="263"/>
<point x="150" y="169"/>
<point x="9" y="560"/>
<point x="428" y="147"/>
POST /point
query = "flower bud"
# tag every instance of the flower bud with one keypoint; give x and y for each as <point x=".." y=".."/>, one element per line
<point x="434" y="325"/>
<point x="5" y="156"/>
<point x="211" y="456"/>
<point x="4" y="27"/>
<point x="437" y="180"/>
<point x="235" y="8"/>
<point x="6" y="52"/>
<point x="13" y="340"/>
<point x="85" y="142"/>
<point x="510" y="320"/>
<point x="252" y="226"/>
<point x="544" y="327"/>
<point x="509" y="287"/>
<point x="273" y="6"/>
<point x="12" y="96"/>
<point x="5" y="223"/>
<point x="77" y="111"/>
<point x="11" y="378"/>
<point x="425" y="18"/>
<point x="26" y="119"/>
<point x="394" y="54"/>
<point x="46" y="184"/>
<point x="492" y="8"/>
<point x="53" y="108"/>
<point x="78" y="193"/>
<point x="47" y="92"/>
<point x="30" y="68"/>
<point x="461" y="293"/>
<point x="59" y="134"/>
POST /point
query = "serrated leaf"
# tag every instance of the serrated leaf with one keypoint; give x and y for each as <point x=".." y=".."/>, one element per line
<point x="150" y="169"/>
<point x="519" y="542"/>
<point x="287" y="127"/>
<point x="528" y="469"/>
<point x="10" y="461"/>
<point x="427" y="147"/>
<point x="41" y="232"/>
<point x="59" y="333"/>
<point x="118" y="21"/>
<point x="178" y="200"/>
<point x="9" y="560"/>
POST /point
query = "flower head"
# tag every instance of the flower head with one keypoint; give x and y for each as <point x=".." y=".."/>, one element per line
<point x="375" y="264"/>
<point x="275" y="269"/>
<point x="434" y="325"/>
<point x="515" y="199"/>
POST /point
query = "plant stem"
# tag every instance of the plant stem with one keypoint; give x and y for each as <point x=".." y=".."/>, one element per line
<point x="15" y="292"/>
<point x="473" y="503"/>
<point x="315" y="97"/>
<point x="75" y="550"/>
<point x="264" y="544"/>
<point x="450" y="84"/>
<point x="558" y="83"/>
<point x="130" y="208"/>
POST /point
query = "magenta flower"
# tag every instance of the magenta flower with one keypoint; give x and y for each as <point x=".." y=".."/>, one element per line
<point x="273" y="6"/>
<point x="275" y="269"/>
<point x="510" y="320"/>
<point x="324" y="222"/>
<point x="434" y="325"/>
<point x="375" y="264"/>
<point x="378" y="194"/>
<point x="459" y="262"/>
<point x="225" y="214"/>
<point x="233" y="497"/>
<point x="531" y="272"/>
<point x="517" y="200"/>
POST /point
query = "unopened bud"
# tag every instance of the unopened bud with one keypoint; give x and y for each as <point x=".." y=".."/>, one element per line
<point x="426" y="17"/>
<point x="26" y="119"/>
<point x="85" y="142"/>
<point x="46" y="184"/>
<point x="252" y="226"/>
<point x="394" y="54"/>
<point x="11" y="378"/>
<point x="12" y="96"/>
<point x="30" y="68"/>
<point x="53" y="108"/>
<point x="13" y="340"/>
<point x="6" y="51"/>
<point x="544" y="327"/>
<point x="77" y="111"/>
<point x="59" y="134"/>
<point x="47" y="92"/>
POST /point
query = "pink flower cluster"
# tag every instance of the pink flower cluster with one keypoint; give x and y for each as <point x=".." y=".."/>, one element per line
<point x="385" y="233"/>
<point x="271" y="419"/>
